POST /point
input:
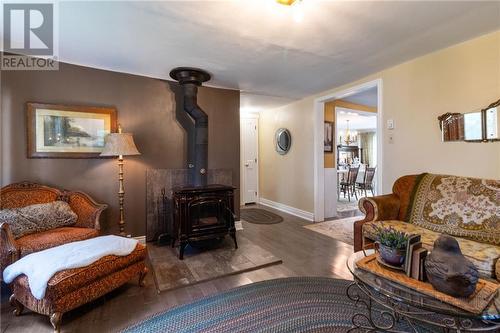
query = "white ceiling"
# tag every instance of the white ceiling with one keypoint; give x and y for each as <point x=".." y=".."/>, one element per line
<point x="358" y="121"/>
<point x="256" y="103"/>
<point x="367" y="97"/>
<point x="257" y="47"/>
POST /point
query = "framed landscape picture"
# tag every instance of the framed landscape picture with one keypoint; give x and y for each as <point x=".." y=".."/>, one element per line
<point x="328" y="143"/>
<point x="63" y="131"/>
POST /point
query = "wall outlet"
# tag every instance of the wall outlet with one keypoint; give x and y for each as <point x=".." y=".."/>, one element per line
<point x="390" y="138"/>
<point x="390" y="124"/>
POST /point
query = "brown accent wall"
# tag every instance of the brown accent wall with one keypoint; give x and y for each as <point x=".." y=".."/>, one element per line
<point x="146" y="108"/>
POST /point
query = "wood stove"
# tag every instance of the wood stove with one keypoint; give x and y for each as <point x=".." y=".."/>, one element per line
<point x="202" y="213"/>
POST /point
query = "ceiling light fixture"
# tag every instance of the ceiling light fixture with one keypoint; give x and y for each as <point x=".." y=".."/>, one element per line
<point x="286" y="2"/>
<point x="297" y="10"/>
<point x="348" y="136"/>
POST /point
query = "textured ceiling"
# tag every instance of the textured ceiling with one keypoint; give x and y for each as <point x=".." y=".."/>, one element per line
<point x="367" y="97"/>
<point x="257" y="47"/>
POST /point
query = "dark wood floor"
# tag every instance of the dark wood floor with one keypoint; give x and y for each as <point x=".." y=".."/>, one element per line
<point x="304" y="253"/>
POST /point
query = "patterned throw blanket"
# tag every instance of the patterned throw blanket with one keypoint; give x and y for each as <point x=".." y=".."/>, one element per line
<point x="458" y="206"/>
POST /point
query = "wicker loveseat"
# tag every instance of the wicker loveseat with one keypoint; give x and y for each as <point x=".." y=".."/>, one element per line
<point x="465" y="208"/>
<point x="23" y="194"/>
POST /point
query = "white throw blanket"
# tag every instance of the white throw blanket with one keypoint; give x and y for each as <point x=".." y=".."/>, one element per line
<point x="39" y="267"/>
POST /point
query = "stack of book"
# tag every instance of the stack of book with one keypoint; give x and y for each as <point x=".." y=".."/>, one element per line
<point x="415" y="257"/>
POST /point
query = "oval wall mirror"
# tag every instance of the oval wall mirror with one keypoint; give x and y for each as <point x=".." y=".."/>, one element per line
<point x="283" y="141"/>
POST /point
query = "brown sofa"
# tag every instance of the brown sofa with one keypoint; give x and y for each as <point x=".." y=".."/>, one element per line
<point x="26" y="193"/>
<point x="429" y="205"/>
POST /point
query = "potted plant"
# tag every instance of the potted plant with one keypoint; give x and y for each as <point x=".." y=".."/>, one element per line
<point x="391" y="244"/>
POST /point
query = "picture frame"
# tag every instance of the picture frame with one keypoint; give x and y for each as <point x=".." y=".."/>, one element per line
<point x="329" y="135"/>
<point x="68" y="131"/>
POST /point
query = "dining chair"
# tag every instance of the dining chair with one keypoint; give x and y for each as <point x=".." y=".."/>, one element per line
<point x="349" y="185"/>
<point x="367" y="183"/>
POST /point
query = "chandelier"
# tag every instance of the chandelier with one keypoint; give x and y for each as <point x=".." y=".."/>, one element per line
<point x="349" y="137"/>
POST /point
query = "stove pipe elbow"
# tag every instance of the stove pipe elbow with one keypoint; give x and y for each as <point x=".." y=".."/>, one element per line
<point x="190" y="79"/>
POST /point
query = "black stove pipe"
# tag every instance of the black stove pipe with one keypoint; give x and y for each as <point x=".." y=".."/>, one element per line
<point x="190" y="79"/>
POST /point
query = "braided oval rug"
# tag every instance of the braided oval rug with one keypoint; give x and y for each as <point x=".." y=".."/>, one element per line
<point x="301" y="304"/>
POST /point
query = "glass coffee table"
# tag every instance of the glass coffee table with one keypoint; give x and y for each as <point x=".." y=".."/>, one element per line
<point x="395" y="303"/>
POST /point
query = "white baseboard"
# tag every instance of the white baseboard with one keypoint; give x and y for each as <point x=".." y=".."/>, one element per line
<point x="141" y="239"/>
<point x="287" y="209"/>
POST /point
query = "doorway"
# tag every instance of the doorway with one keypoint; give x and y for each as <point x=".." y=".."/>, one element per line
<point x="249" y="125"/>
<point x="326" y="190"/>
<point x="356" y="151"/>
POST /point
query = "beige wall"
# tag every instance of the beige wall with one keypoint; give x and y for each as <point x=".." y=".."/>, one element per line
<point x="461" y="78"/>
<point x="287" y="178"/>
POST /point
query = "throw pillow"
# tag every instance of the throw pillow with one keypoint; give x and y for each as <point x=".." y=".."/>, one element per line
<point x="36" y="218"/>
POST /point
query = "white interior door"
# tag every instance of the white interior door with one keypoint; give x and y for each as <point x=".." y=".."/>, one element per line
<point x="250" y="162"/>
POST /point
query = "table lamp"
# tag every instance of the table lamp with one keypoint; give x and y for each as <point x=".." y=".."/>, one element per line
<point x="120" y="144"/>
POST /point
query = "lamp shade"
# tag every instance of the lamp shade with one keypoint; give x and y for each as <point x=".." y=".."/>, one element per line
<point x="119" y="144"/>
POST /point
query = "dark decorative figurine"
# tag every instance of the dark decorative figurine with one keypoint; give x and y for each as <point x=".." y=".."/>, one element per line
<point x="448" y="270"/>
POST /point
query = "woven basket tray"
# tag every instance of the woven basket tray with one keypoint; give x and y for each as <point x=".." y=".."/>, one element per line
<point x="476" y="303"/>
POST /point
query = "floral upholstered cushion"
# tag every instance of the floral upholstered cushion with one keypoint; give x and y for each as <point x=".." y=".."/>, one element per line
<point x="483" y="256"/>
<point x="458" y="206"/>
<point x="36" y="218"/>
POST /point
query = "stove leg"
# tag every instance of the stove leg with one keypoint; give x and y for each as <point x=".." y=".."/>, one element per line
<point x="233" y="236"/>
<point x="181" y="250"/>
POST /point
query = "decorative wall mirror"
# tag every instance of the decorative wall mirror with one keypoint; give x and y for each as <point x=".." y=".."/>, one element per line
<point x="478" y="126"/>
<point x="492" y="121"/>
<point x="283" y="141"/>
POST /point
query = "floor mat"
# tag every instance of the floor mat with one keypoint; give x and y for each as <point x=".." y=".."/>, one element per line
<point x="342" y="229"/>
<point x="259" y="216"/>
